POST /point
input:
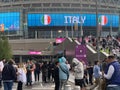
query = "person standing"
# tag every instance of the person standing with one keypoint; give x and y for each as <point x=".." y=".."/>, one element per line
<point x="112" y="73"/>
<point x="90" y="73"/>
<point x="21" y="76"/>
<point x="8" y="75"/>
<point x="79" y="72"/>
<point x="50" y="71"/>
<point x="44" y="72"/>
<point x="97" y="74"/>
<point x="63" y="72"/>
<point x="1" y="68"/>
<point x="37" y="71"/>
<point x="56" y="75"/>
<point x="29" y="67"/>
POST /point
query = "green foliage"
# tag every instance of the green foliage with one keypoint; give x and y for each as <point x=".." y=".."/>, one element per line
<point x="5" y="49"/>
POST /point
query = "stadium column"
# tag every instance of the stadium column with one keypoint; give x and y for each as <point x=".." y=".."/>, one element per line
<point x="23" y="21"/>
<point x="21" y="30"/>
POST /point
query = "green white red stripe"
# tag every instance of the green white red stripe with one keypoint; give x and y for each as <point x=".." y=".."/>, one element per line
<point x="103" y="20"/>
<point x="46" y="19"/>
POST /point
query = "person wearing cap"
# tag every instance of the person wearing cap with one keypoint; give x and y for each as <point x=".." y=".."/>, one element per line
<point x="112" y="73"/>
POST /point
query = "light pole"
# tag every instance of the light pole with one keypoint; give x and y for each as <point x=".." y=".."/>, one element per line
<point x="119" y="25"/>
<point x="81" y="27"/>
<point x="66" y="30"/>
<point x="97" y="26"/>
<point x="81" y="33"/>
<point x="72" y="28"/>
<point x="111" y="25"/>
<point x="60" y="32"/>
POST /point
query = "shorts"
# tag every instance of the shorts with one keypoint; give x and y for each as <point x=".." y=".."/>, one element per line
<point x="79" y="82"/>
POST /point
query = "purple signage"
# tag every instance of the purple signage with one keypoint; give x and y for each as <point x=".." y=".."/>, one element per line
<point x="80" y="52"/>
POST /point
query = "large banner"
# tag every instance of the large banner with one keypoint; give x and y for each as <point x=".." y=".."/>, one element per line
<point x="62" y="19"/>
<point x="80" y="52"/>
<point x="9" y="21"/>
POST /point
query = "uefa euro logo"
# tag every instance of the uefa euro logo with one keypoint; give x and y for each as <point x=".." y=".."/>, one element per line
<point x="46" y="19"/>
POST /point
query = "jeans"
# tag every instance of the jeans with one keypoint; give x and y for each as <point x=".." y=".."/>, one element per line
<point x="8" y="85"/>
<point x="62" y="83"/>
<point x="113" y="88"/>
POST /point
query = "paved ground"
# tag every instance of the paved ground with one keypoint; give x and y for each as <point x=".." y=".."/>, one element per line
<point x="47" y="86"/>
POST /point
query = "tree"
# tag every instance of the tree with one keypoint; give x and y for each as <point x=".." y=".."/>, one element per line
<point x="5" y="49"/>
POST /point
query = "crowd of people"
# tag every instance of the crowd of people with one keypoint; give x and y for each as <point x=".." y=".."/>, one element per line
<point x="58" y="72"/>
<point x="109" y="44"/>
<point x="29" y="73"/>
<point x="102" y="75"/>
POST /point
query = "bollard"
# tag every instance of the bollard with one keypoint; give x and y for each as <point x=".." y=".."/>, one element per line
<point x="68" y="87"/>
<point x="77" y="88"/>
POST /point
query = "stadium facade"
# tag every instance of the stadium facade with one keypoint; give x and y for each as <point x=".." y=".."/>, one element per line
<point x="44" y="18"/>
<point x="36" y="19"/>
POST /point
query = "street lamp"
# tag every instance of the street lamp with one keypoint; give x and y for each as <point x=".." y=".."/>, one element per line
<point x="60" y="32"/>
<point x="111" y="25"/>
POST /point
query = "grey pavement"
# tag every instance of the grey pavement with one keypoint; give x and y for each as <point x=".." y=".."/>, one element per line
<point x="47" y="86"/>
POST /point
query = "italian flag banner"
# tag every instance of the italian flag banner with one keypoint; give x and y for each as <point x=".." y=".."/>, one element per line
<point x="46" y="19"/>
<point x="102" y="20"/>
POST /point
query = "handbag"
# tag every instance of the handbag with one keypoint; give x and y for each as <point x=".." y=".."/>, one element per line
<point x="103" y="84"/>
